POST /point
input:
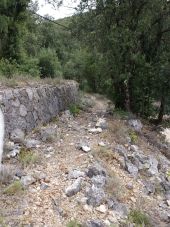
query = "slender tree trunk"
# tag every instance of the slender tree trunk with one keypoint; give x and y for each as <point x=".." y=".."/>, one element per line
<point x="120" y="95"/>
<point x="127" y="94"/>
<point x="161" y="110"/>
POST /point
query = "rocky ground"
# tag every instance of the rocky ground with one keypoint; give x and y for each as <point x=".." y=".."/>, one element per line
<point x="94" y="169"/>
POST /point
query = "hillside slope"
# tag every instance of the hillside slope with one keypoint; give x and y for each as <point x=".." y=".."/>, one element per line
<point x="93" y="169"/>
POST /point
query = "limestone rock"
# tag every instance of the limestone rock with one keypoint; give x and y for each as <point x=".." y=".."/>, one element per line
<point x="23" y="111"/>
<point x="74" y="174"/>
<point x="153" y="170"/>
<point x="74" y="188"/>
<point x="86" y="148"/>
<point x="96" y="170"/>
<point x="47" y="134"/>
<point x="99" y="180"/>
<point x="132" y="169"/>
<point x="136" y="124"/>
<point x="13" y="153"/>
<point x="95" y="196"/>
<point x="31" y="143"/>
<point x="17" y="136"/>
<point x="93" y="223"/>
<point x="101" y="123"/>
<point x="102" y="144"/>
<point x="95" y="130"/>
<point x="102" y="209"/>
<point x="27" y="180"/>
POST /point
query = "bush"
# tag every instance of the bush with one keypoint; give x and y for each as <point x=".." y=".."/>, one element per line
<point x="74" y="109"/>
<point x="14" y="188"/>
<point x="29" y="66"/>
<point x="49" y="64"/>
<point x="73" y="223"/>
<point x="8" y="68"/>
<point x="27" y="157"/>
<point x="139" y="218"/>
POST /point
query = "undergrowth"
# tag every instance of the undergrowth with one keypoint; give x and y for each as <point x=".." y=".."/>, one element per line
<point x="14" y="188"/>
<point x="27" y="157"/>
<point x="139" y="218"/>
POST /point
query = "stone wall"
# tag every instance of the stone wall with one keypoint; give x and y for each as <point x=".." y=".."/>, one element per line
<point x="26" y="108"/>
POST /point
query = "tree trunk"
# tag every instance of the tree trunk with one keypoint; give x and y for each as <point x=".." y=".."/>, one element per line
<point x="127" y="95"/>
<point x="161" y="110"/>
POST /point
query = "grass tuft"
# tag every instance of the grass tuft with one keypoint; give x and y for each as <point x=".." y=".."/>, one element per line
<point x="139" y="218"/>
<point x="73" y="223"/>
<point x="74" y="109"/>
<point x="14" y="188"/>
<point x="27" y="157"/>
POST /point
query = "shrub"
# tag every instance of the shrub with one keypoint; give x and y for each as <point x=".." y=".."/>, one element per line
<point x="8" y="68"/>
<point x="133" y="136"/>
<point x="27" y="157"/>
<point x="29" y="66"/>
<point x="139" y="218"/>
<point x="74" y="109"/>
<point x="49" y="64"/>
<point x="14" y="188"/>
<point x="73" y="223"/>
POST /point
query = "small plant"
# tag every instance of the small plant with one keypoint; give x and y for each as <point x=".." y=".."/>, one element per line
<point x="49" y="64"/>
<point x="2" y="222"/>
<point x="14" y="188"/>
<point x="8" y="68"/>
<point x="73" y="223"/>
<point x="133" y="136"/>
<point x="106" y="154"/>
<point x="27" y="157"/>
<point x="168" y="173"/>
<point x="120" y="113"/>
<point x="74" y="109"/>
<point x="139" y="218"/>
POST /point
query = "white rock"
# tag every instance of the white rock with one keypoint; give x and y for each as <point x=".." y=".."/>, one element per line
<point x="102" y="144"/>
<point x="74" y="188"/>
<point x="95" y="130"/>
<point x="168" y="202"/>
<point x="13" y="153"/>
<point x="136" y="124"/>
<point x="27" y="180"/>
<point x="74" y="174"/>
<point x="86" y="148"/>
<point x="134" y="148"/>
<point x="87" y="208"/>
<point x="166" y="133"/>
<point x="102" y="209"/>
<point x="101" y="123"/>
<point x="107" y="223"/>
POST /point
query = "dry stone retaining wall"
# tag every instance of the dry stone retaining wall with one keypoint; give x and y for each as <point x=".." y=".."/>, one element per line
<point x="26" y="108"/>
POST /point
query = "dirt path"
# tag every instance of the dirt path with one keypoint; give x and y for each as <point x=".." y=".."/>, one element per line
<point x="45" y="203"/>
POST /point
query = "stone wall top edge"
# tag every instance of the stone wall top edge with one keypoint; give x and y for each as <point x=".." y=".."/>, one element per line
<point x="40" y="85"/>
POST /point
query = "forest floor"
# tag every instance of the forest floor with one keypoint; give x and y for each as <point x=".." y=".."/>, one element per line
<point x="120" y="179"/>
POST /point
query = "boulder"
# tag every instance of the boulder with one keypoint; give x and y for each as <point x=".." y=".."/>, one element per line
<point x="74" y="188"/>
<point x="136" y="124"/>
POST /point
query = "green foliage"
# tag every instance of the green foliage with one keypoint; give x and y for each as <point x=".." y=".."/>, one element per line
<point x="29" y="66"/>
<point x="49" y="64"/>
<point x="139" y="218"/>
<point x="131" y="39"/>
<point x="13" y="15"/>
<point x="119" y="49"/>
<point x="133" y="136"/>
<point x="8" y="68"/>
<point x="74" y="109"/>
<point x="120" y="113"/>
<point x="14" y="188"/>
<point x="27" y="157"/>
<point x="73" y="223"/>
<point x="2" y="222"/>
